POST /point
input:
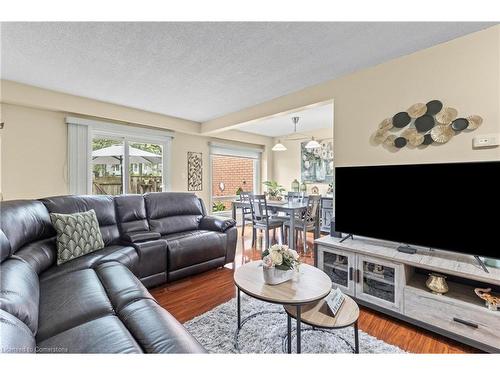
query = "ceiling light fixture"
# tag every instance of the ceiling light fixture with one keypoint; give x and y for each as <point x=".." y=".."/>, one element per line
<point x="312" y="144"/>
<point x="279" y="146"/>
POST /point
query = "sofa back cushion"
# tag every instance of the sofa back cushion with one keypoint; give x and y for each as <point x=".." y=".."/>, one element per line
<point x="131" y="213"/>
<point x="173" y="212"/>
<point x="23" y="222"/>
<point x="103" y="205"/>
<point x="20" y="291"/>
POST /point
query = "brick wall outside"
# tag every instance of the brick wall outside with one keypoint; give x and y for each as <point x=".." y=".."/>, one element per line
<point x="234" y="172"/>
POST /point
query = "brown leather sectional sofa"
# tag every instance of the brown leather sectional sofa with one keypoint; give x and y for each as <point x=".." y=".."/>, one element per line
<point x="99" y="302"/>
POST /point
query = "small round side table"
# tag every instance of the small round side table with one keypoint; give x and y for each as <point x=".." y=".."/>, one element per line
<point x="318" y="315"/>
<point x="308" y="286"/>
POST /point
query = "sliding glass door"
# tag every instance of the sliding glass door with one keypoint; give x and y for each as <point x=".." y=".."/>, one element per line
<point x="122" y="166"/>
<point x="232" y="171"/>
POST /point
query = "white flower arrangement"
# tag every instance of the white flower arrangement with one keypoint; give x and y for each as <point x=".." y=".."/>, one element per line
<point x="280" y="257"/>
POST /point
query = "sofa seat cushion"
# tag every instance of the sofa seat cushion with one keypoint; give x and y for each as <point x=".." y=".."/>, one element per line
<point x="102" y="335"/>
<point x="156" y="330"/>
<point x="193" y="247"/>
<point x="125" y="255"/>
<point x="70" y="300"/>
<point x="19" y="291"/>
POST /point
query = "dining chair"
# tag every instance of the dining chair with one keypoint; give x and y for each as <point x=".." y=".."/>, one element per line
<point x="306" y="221"/>
<point x="262" y="220"/>
<point x="246" y="212"/>
<point x="295" y="195"/>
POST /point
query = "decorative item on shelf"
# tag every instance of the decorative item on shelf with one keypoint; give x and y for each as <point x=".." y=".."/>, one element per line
<point x="315" y="190"/>
<point x="195" y="171"/>
<point x="295" y="186"/>
<point x="330" y="188"/>
<point x="274" y="190"/>
<point x="423" y="124"/>
<point x="340" y="259"/>
<point x="491" y="302"/>
<point x="239" y="191"/>
<point x="303" y="187"/>
<point x="378" y="268"/>
<point x="279" y="264"/>
<point x="437" y="283"/>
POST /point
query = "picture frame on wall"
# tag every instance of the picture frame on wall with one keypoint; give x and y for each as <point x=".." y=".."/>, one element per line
<point x="316" y="164"/>
<point x="195" y="171"/>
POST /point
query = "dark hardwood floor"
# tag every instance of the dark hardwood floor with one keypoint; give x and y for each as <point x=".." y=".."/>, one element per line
<point x="193" y="296"/>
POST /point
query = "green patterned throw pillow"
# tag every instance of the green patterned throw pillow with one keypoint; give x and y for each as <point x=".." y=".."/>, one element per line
<point x="77" y="234"/>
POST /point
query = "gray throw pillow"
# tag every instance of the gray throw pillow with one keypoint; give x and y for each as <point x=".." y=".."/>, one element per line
<point x="77" y="234"/>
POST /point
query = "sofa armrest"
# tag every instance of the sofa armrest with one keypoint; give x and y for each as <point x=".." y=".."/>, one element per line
<point x="140" y="236"/>
<point x="216" y="223"/>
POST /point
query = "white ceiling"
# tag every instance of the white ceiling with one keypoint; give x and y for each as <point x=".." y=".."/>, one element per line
<point x="320" y="117"/>
<point x="200" y="71"/>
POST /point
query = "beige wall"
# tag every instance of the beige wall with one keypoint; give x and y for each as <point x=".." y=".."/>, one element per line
<point x="34" y="153"/>
<point x="464" y="73"/>
<point x="286" y="164"/>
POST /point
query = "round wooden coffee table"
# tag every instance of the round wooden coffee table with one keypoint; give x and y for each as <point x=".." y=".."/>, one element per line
<point x="318" y="315"/>
<point x="309" y="285"/>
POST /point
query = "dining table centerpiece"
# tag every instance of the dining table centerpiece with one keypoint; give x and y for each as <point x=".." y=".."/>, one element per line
<point x="279" y="264"/>
<point x="274" y="190"/>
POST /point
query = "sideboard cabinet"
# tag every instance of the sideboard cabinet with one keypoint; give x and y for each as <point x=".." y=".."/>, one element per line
<point x="376" y="275"/>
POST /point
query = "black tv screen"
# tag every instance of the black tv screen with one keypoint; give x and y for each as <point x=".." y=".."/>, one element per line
<point x="453" y="207"/>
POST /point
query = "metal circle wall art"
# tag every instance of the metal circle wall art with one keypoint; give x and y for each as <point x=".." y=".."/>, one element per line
<point x="434" y="107"/>
<point x="401" y="119"/>
<point x="460" y="124"/>
<point x="422" y="125"/>
<point x="446" y="115"/>
<point x="417" y="110"/>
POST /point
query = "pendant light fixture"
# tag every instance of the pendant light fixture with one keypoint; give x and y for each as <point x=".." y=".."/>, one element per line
<point x="312" y="144"/>
<point x="279" y="146"/>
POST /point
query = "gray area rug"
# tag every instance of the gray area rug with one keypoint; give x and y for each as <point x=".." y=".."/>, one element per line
<point x="266" y="332"/>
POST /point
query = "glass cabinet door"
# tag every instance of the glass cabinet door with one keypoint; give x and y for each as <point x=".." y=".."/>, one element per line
<point x="339" y="266"/>
<point x="377" y="282"/>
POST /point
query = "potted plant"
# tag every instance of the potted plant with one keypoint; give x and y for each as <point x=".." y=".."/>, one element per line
<point x="279" y="264"/>
<point x="274" y="190"/>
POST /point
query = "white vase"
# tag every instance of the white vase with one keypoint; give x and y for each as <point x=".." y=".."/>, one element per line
<point x="274" y="276"/>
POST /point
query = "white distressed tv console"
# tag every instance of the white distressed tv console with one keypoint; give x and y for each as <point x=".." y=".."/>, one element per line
<point x="378" y="276"/>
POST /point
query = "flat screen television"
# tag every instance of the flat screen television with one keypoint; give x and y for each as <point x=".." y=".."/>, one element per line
<point x="453" y="206"/>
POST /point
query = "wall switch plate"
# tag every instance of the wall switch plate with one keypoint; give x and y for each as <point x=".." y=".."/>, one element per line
<point x="486" y="140"/>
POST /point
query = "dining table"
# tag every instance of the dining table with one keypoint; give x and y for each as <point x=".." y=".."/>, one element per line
<point x="292" y="208"/>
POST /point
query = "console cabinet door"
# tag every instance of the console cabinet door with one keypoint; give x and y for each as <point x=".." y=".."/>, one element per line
<point x="379" y="282"/>
<point x="340" y="266"/>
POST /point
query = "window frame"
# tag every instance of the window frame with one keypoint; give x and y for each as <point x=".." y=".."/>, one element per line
<point x="81" y="132"/>
<point x="231" y="150"/>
